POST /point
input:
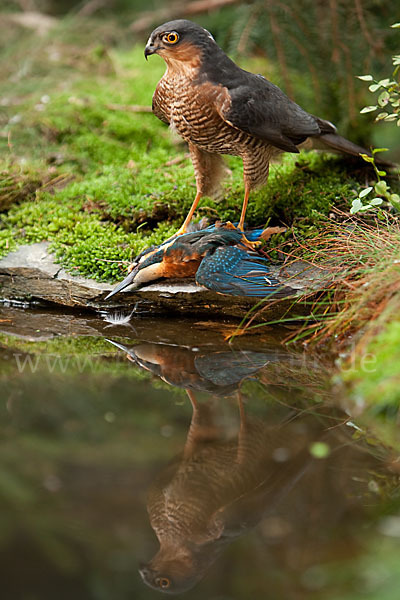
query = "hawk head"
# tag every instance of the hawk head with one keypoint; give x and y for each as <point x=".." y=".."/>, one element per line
<point x="169" y="574"/>
<point x="179" y="40"/>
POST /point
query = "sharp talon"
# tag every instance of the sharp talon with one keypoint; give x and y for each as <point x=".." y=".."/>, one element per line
<point x="248" y="244"/>
<point x="229" y="225"/>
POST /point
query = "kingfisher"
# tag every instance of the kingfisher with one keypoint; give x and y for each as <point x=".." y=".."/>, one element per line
<point x="217" y="258"/>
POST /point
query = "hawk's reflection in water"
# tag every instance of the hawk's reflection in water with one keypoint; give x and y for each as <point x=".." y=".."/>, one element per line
<point x="220" y="487"/>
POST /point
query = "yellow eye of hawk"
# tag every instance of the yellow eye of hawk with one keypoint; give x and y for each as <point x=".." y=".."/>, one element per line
<point x="171" y="38"/>
<point x="163" y="582"/>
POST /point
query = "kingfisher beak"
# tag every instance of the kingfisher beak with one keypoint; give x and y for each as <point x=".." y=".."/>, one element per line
<point x="129" y="279"/>
<point x="150" y="49"/>
<point x="128" y="351"/>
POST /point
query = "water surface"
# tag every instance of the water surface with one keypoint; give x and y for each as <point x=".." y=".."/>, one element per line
<point x="154" y="457"/>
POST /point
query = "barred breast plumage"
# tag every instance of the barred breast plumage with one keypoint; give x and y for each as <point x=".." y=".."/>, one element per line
<point x="190" y="110"/>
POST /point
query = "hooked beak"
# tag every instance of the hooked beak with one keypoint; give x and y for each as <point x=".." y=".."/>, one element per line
<point x="150" y="49"/>
<point x="129" y="279"/>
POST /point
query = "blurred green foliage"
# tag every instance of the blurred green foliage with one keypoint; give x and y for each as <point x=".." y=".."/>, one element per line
<point x="375" y="377"/>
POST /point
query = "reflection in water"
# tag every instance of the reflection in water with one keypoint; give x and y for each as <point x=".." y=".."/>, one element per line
<point x="217" y="372"/>
<point x="244" y="504"/>
<point x="223" y="485"/>
<point x="216" y="491"/>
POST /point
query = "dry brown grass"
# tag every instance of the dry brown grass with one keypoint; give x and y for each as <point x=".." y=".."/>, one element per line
<point x="361" y="291"/>
<point x="364" y="260"/>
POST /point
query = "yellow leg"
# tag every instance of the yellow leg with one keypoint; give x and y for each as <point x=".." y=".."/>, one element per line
<point x="242" y="438"/>
<point x="245" y="241"/>
<point x="244" y="208"/>
<point x="189" y="215"/>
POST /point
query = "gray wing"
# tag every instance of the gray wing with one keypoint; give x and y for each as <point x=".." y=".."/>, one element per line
<point x="261" y="109"/>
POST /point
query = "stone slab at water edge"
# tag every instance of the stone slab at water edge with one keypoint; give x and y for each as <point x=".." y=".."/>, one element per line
<point x="30" y="274"/>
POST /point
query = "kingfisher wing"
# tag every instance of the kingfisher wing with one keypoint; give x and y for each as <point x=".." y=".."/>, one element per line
<point x="231" y="270"/>
<point x="227" y="368"/>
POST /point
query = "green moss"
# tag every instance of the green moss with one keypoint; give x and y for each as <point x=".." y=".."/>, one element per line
<point x="123" y="194"/>
<point x="299" y="187"/>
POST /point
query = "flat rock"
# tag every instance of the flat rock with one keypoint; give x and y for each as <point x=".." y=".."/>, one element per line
<point x="30" y="274"/>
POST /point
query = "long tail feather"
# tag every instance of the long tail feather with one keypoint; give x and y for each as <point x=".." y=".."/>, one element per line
<point x="336" y="142"/>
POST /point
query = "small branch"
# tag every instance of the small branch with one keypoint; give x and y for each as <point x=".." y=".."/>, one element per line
<point x="244" y="38"/>
<point x="135" y="108"/>
<point x="200" y="6"/>
<point x="27" y="5"/>
<point x="363" y="25"/>
<point x="178" y="9"/>
<point x="275" y="30"/>
<point x="177" y="160"/>
<point x="91" y="7"/>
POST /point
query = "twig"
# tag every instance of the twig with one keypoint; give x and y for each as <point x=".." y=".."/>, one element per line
<point x="176" y="160"/>
<point x="108" y="260"/>
<point x="275" y="30"/>
<point x="199" y="6"/>
<point x="135" y="108"/>
<point x="244" y="38"/>
<point x="27" y="5"/>
<point x="361" y="19"/>
<point x="91" y="7"/>
<point x="178" y="9"/>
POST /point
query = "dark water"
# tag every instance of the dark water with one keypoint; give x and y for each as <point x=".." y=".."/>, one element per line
<point x="171" y="460"/>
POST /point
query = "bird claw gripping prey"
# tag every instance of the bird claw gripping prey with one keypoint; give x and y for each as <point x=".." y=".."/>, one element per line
<point x="219" y="108"/>
<point x="249" y="244"/>
<point x="216" y="257"/>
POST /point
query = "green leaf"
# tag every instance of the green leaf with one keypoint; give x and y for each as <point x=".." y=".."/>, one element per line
<point x="365" y="77"/>
<point x="376" y="201"/>
<point x="384" y="82"/>
<point x="375" y="150"/>
<point x="395" y="203"/>
<point x="367" y="158"/>
<point x="374" y="87"/>
<point x="381" y="116"/>
<point x="368" y="109"/>
<point x="356" y="205"/>
<point x="381" y="173"/>
<point x="395" y="26"/>
<point x="381" y="187"/>
<point x="365" y="192"/>
<point x="383" y="98"/>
